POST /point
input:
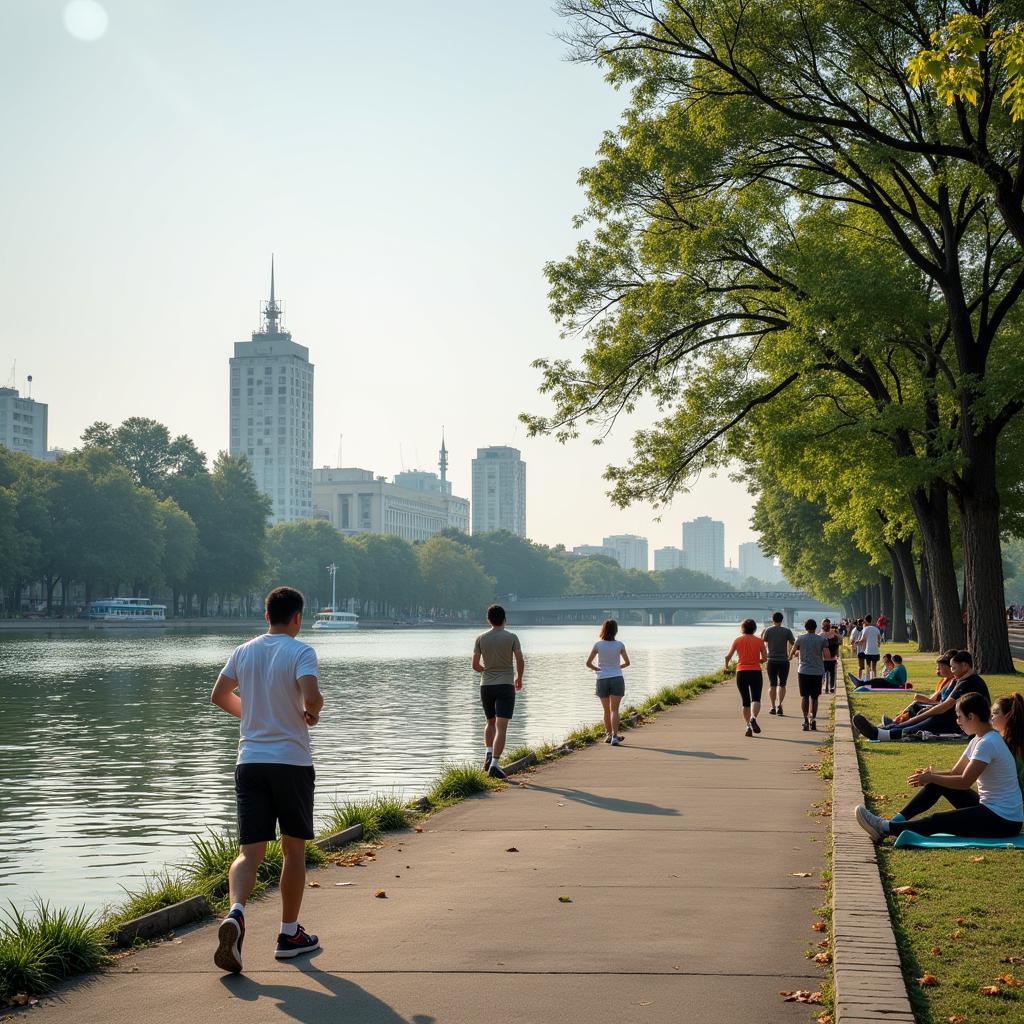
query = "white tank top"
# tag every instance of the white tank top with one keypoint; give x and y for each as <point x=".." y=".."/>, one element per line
<point x="608" y="658"/>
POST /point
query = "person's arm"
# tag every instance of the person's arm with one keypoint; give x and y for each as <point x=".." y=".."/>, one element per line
<point x="793" y="651"/>
<point x="312" y="698"/>
<point x="763" y="652"/>
<point x="963" y="779"/>
<point x="517" y="654"/>
<point x="728" y="657"/>
<point x="478" y="665"/>
<point x="590" y="660"/>
<point x="935" y="709"/>
<point x="624" y="657"/>
<point x="224" y="695"/>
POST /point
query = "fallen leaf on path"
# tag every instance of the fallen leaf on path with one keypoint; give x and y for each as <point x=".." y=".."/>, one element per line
<point x="644" y="1002"/>
<point x="314" y="885"/>
<point x="826" y="1018"/>
<point x="800" y="874"/>
<point x="565" y="899"/>
<point x="512" y="849"/>
<point x="381" y="894"/>
<point x="801" y="995"/>
<point x="824" y="943"/>
<point x="818" y="926"/>
<point x="990" y="990"/>
<point x="927" y="980"/>
<point x="522" y="785"/>
<point x="338" y="885"/>
<point x="810" y="767"/>
<point x="907" y="890"/>
<point x="419" y="828"/>
<point x="823" y="958"/>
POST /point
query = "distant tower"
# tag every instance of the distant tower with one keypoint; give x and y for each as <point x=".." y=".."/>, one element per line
<point x="442" y="464"/>
<point x="499" y="490"/>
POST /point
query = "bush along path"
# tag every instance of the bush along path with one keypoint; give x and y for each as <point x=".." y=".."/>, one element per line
<point x="679" y="869"/>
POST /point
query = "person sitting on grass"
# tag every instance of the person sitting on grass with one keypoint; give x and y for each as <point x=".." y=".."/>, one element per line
<point x="894" y="679"/>
<point x="994" y="811"/>
<point x="921" y="702"/>
<point x="940" y="719"/>
<point x="1008" y="721"/>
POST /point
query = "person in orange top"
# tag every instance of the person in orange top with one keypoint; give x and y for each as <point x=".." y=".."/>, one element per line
<point x="751" y="654"/>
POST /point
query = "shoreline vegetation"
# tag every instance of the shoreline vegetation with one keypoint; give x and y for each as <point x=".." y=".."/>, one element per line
<point x="41" y="947"/>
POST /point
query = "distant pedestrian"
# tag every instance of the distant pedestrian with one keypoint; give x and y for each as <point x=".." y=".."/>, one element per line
<point x="611" y="684"/>
<point x="883" y="625"/>
<point x="810" y="670"/>
<point x="498" y="657"/>
<point x="779" y="640"/>
<point x="278" y="698"/>
<point x="830" y="634"/>
<point x="751" y="653"/>
<point x="870" y="643"/>
<point x="856" y="646"/>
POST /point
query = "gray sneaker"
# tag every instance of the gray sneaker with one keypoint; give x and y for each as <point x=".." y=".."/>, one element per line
<point x="872" y="824"/>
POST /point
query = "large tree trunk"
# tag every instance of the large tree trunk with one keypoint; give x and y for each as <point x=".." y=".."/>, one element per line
<point x="978" y="501"/>
<point x="931" y="512"/>
<point x="905" y="585"/>
<point x="885" y="598"/>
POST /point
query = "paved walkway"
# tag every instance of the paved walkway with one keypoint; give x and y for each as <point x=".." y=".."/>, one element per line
<point x="678" y="851"/>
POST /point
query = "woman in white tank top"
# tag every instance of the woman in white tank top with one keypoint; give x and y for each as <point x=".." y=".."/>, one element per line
<point x="611" y="686"/>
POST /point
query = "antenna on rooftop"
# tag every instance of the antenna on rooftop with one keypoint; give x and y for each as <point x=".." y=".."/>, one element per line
<point x="29" y="380"/>
<point x="14" y="370"/>
<point x="341" y="437"/>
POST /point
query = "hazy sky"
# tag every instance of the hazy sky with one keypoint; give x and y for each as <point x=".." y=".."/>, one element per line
<point x="412" y="165"/>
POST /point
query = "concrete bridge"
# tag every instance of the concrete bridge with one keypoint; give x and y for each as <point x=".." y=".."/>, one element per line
<point x="662" y="609"/>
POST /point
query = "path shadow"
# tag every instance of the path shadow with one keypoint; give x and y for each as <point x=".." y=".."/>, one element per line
<point x="607" y="803"/>
<point x="710" y="755"/>
<point x="335" y="999"/>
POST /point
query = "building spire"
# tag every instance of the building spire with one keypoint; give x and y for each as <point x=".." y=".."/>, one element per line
<point x="443" y="461"/>
<point x="272" y="309"/>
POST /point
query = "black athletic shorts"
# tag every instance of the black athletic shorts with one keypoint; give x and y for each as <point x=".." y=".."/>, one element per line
<point x="266" y="794"/>
<point x="872" y="659"/>
<point x="749" y="682"/>
<point x="498" y="699"/>
<point x="778" y="672"/>
<point x="810" y="686"/>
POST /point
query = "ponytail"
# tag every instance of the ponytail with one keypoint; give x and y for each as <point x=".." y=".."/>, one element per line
<point x="1012" y="708"/>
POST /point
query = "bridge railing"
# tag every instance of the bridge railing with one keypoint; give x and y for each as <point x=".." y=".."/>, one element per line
<point x="779" y="597"/>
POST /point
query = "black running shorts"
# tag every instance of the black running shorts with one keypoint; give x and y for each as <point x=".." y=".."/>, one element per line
<point x="498" y="699"/>
<point x="266" y="794"/>
<point x="778" y="672"/>
<point x="872" y="659"/>
<point x="810" y="686"/>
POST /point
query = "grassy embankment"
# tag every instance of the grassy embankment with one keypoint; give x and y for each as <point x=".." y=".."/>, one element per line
<point x="965" y="917"/>
<point x="41" y="948"/>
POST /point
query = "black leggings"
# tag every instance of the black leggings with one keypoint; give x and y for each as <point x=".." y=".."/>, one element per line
<point x="750" y="683"/>
<point x="778" y="672"/>
<point x="830" y="675"/>
<point x="969" y="819"/>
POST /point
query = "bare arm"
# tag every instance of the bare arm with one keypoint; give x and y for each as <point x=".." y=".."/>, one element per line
<point x="520" y="661"/>
<point x="312" y="698"/>
<point x="935" y="709"/>
<point x="763" y="654"/>
<point x="625" y="658"/>
<point x="961" y="777"/>
<point x="728" y="657"/>
<point x="478" y="665"/>
<point x="224" y="695"/>
<point x="590" y="660"/>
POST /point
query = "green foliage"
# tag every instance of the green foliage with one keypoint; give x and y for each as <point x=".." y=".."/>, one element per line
<point x="452" y="578"/>
<point x="516" y="754"/>
<point x="457" y="782"/>
<point x="158" y="891"/>
<point x="379" y="814"/>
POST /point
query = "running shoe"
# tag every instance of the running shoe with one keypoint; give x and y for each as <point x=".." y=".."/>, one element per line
<point x="806" y="726"/>
<point x="608" y="737"/>
<point x="615" y="741"/>
<point x="872" y="824"/>
<point x="886" y="721"/>
<point x="864" y="727"/>
<point x="487" y="761"/>
<point x="230" y="936"/>
<point x="621" y="739"/>
<point x="814" y="725"/>
<point x="748" y="731"/>
<point x="754" y="725"/>
<point x="772" y="712"/>
<point x="495" y="771"/>
<point x="779" y="710"/>
<point x="301" y="942"/>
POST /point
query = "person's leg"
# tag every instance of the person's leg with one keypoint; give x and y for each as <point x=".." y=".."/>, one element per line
<point x="928" y="796"/>
<point x="614" y="700"/>
<point x="781" y="694"/>
<point x="606" y="711"/>
<point x="293" y="878"/>
<point x="500" y="729"/>
<point x="744" y="689"/>
<point x="977" y="822"/>
<point x="242" y="873"/>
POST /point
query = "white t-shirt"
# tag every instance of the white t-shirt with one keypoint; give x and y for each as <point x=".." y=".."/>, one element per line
<point x="273" y="728"/>
<point x="855" y="636"/>
<point x="998" y="786"/>
<point x="871" y="637"/>
<point x="608" y="658"/>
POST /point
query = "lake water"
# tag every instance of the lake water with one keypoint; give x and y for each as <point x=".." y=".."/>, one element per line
<point x="113" y="757"/>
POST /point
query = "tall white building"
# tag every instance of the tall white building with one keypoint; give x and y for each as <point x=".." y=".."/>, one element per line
<point x="23" y="423"/>
<point x="272" y="414"/>
<point x="704" y="545"/>
<point x="628" y="550"/>
<point x="499" y="491"/>
<point x="754" y="562"/>
<point x="668" y="558"/>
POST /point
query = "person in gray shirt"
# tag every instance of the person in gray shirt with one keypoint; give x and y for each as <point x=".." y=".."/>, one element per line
<point x="779" y="640"/>
<point x="814" y="652"/>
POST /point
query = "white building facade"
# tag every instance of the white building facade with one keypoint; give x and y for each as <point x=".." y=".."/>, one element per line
<point x="668" y="558"/>
<point x="704" y="545"/>
<point x="23" y="423"/>
<point x="271" y="410"/>
<point x="629" y="550"/>
<point x="754" y="562"/>
<point x="499" y="491"/>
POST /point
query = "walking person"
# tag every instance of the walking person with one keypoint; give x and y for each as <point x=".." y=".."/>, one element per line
<point x="498" y="657"/>
<point x="751" y="653"/>
<point x="857" y="646"/>
<point x="779" y="641"/>
<point x="870" y="644"/>
<point x="611" y="685"/>
<point x="271" y="685"/>
<point x="810" y="670"/>
<point x="830" y="634"/>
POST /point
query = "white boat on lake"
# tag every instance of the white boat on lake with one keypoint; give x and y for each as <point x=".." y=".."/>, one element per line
<point x="328" y="619"/>
<point x="127" y="610"/>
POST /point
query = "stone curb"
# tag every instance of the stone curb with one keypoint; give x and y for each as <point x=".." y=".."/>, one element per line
<point x="866" y="969"/>
<point x="346" y="835"/>
<point x="160" y="922"/>
<point x="521" y="764"/>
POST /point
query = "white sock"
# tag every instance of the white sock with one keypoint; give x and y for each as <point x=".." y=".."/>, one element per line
<point x="237" y="906"/>
<point x="289" y="928"/>
<point x="489" y="752"/>
<point x="883" y="734"/>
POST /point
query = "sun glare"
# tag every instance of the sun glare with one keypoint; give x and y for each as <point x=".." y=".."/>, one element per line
<point x="86" y="20"/>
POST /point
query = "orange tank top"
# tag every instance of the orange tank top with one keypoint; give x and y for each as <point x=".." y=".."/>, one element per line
<point x="748" y="649"/>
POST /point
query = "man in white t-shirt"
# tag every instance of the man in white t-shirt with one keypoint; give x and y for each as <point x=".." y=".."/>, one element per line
<point x="856" y="645"/>
<point x="271" y="684"/>
<point x="870" y="644"/>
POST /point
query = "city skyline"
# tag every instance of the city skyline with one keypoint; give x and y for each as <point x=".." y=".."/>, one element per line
<point x="159" y="253"/>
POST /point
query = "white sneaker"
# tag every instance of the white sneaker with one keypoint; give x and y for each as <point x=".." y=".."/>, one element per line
<point x="615" y="741"/>
<point x="872" y="824"/>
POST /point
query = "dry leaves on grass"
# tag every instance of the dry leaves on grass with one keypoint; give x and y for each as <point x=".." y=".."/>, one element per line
<point x="927" y="980"/>
<point x="978" y="859"/>
<point x="905" y="890"/>
<point x="1012" y="960"/>
<point x="956" y="1018"/>
<point x="1009" y="981"/>
<point x="957" y="934"/>
<point x="802" y="995"/>
<point x="818" y="926"/>
<point x="936" y="950"/>
<point x="990" y="990"/>
<point x="380" y="894"/>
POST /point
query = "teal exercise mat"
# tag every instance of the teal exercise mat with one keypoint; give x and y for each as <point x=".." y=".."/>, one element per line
<point x="942" y="842"/>
<point x="901" y="690"/>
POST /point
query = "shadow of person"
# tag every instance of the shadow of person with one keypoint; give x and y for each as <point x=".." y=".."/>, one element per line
<point x="607" y="803"/>
<point x="693" y="753"/>
<point x="317" y="997"/>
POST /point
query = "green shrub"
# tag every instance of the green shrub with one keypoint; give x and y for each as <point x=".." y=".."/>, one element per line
<point x="516" y="754"/>
<point x="381" y="813"/>
<point x="458" y="781"/>
<point x="158" y="891"/>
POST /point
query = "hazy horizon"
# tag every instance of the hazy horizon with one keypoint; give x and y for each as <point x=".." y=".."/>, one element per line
<point x="411" y="177"/>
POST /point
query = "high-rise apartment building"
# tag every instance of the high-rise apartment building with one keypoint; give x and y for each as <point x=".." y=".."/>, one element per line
<point x="23" y="423"/>
<point x="754" y="562"/>
<point x="271" y="403"/>
<point x="499" y="491"/>
<point x="668" y="558"/>
<point x="628" y="550"/>
<point x="704" y="545"/>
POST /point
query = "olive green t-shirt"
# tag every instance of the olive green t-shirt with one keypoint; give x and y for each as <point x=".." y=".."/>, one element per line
<point x="495" y="648"/>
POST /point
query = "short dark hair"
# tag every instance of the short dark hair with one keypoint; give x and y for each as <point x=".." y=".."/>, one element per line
<point x="777" y="617"/>
<point x="496" y="615"/>
<point x="964" y="657"/>
<point x="608" y="629"/>
<point x="810" y="625"/>
<point x="943" y="659"/>
<point x="282" y="605"/>
<point x="974" y="704"/>
<point x="748" y="625"/>
<point x="898" y="658"/>
<point x="867" y="618"/>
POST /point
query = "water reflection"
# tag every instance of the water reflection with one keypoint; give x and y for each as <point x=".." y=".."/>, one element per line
<point x="114" y="757"/>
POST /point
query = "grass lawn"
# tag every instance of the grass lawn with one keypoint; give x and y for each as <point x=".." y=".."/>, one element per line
<point x="967" y="916"/>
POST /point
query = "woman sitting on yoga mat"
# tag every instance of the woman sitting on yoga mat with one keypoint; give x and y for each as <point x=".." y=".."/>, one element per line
<point x="921" y="703"/>
<point x="894" y="679"/>
<point x="1008" y="721"/>
<point x="994" y="811"/>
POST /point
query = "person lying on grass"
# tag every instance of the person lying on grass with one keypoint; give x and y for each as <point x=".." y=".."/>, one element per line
<point x="895" y="678"/>
<point x="994" y="811"/>
<point x="943" y="688"/>
<point x="940" y="719"/>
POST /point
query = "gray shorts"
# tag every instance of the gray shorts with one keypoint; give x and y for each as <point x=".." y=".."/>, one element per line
<point x="613" y="686"/>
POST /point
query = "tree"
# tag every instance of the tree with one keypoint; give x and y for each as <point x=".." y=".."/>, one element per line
<point x="596" y="574"/>
<point x="520" y="566"/>
<point x="298" y="556"/>
<point x="145" y="448"/>
<point x="452" y="579"/>
<point x="180" y="545"/>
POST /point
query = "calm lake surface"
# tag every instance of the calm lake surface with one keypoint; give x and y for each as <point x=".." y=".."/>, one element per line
<point x="113" y="757"/>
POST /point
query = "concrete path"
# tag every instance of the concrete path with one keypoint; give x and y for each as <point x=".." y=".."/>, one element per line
<point x="678" y="851"/>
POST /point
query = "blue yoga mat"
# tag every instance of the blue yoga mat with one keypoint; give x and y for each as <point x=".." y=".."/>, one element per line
<point x="941" y="842"/>
<point x="881" y="689"/>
